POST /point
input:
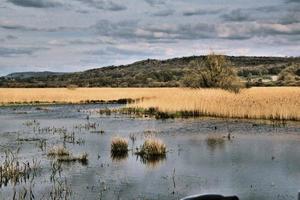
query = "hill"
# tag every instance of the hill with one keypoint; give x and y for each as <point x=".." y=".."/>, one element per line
<point x="259" y="71"/>
<point x="26" y="75"/>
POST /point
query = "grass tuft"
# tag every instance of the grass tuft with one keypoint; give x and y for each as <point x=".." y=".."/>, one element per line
<point x="152" y="148"/>
<point x="119" y="145"/>
<point x="58" y="151"/>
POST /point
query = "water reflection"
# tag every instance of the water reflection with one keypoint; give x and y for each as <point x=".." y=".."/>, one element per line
<point x="153" y="161"/>
<point x="119" y="156"/>
<point x="215" y="141"/>
<point x="208" y="160"/>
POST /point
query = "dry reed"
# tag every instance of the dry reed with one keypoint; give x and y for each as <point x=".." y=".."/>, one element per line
<point x="119" y="145"/>
<point x="152" y="147"/>
<point x="58" y="151"/>
<point x="257" y="103"/>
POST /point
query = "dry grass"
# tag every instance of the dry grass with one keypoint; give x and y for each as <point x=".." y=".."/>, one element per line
<point x="257" y="103"/>
<point x="64" y="95"/>
<point x="119" y="145"/>
<point x="58" y="151"/>
<point x="153" y="147"/>
<point x="63" y="155"/>
<point x="83" y="158"/>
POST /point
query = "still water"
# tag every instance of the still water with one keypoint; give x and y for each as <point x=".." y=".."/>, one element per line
<point x="260" y="160"/>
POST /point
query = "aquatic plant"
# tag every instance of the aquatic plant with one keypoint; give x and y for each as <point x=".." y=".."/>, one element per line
<point x="119" y="145"/>
<point x="63" y="155"/>
<point x="83" y="158"/>
<point x="152" y="148"/>
<point x="58" y="151"/>
<point x="12" y="170"/>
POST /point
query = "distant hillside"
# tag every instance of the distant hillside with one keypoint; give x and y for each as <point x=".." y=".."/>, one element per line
<point x="26" y="75"/>
<point x="153" y="73"/>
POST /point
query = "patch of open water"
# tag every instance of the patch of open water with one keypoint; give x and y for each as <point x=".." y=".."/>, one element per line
<point x="258" y="161"/>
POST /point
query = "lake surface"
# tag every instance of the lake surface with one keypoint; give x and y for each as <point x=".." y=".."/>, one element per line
<point x="260" y="160"/>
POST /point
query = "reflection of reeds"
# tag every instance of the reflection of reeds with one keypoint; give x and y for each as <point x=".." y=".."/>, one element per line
<point x="153" y="161"/>
<point x="60" y="190"/>
<point x="14" y="171"/>
<point x="119" y="156"/>
<point x="214" y="141"/>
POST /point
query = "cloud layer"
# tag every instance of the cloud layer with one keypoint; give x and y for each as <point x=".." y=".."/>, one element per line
<point x="62" y="35"/>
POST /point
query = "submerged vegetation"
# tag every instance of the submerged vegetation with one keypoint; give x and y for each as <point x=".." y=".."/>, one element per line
<point x="13" y="171"/>
<point x="63" y="155"/>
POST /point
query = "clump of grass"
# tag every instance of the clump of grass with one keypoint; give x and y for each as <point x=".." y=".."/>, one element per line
<point x="152" y="148"/>
<point x="58" y="151"/>
<point x="63" y="155"/>
<point x="119" y="145"/>
<point x="83" y="158"/>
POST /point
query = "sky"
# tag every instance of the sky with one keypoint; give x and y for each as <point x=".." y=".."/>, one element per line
<point x="75" y="35"/>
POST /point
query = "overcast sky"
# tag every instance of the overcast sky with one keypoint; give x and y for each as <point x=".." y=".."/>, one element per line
<point x="74" y="35"/>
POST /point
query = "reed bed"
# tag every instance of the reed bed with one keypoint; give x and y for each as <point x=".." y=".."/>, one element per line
<point x="281" y="103"/>
<point x="65" y="95"/>
<point x="255" y="103"/>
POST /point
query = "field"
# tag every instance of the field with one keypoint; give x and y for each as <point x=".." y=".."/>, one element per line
<point x="257" y="103"/>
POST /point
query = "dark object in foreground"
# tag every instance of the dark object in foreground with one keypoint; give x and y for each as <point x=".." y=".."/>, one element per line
<point x="210" y="197"/>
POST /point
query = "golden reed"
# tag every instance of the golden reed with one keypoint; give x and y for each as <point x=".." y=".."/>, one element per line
<point x="257" y="103"/>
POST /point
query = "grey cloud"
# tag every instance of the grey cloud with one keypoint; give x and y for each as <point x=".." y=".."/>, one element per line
<point x="11" y="37"/>
<point x="13" y="52"/>
<point x="35" y="3"/>
<point x="293" y="1"/>
<point x="155" y="2"/>
<point x="132" y="30"/>
<point x="180" y="31"/>
<point x="201" y="12"/>
<point x="90" y="42"/>
<point x="115" y="52"/>
<point x="250" y="30"/>
<point x="122" y="29"/>
<point x="290" y="18"/>
<point x="163" y="13"/>
<point x="268" y="9"/>
<point x="18" y="27"/>
<point x="104" y="5"/>
<point x="237" y="15"/>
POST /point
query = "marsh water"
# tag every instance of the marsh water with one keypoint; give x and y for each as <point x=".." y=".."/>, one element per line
<point x="250" y="159"/>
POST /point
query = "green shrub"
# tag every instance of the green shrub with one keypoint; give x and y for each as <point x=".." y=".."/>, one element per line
<point x="214" y="72"/>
